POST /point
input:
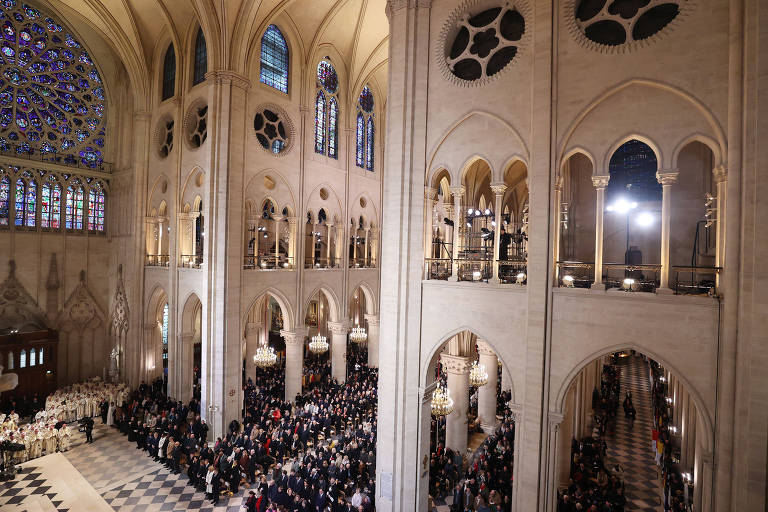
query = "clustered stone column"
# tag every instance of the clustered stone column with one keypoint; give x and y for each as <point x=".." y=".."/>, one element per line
<point x="457" y="193"/>
<point x="498" y="191"/>
<point x="430" y="198"/>
<point x="339" y="332"/>
<point x="457" y="370"/>
<point x="486" y="395"/>
<point x="328" y="235"/>
<point x="373" y="340"/>
<point x="252" y="331"/>
<point x="294" y="362"/>
<point x="667" y="179"/>
<point x="600" y="182"/>
<point x="292" y="222"/>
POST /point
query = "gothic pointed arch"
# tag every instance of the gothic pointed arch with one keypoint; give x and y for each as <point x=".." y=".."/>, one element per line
<point x="18" y="310"/>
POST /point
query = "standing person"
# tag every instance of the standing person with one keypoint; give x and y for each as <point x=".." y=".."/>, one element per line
<point x="250" y="503"/>
<point x="88" y="430"/>
<point x="111" y="415"/>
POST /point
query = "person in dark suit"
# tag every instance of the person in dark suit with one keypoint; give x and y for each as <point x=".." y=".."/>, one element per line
<point x="88" y="424"/>
<point x="320" y="500"/>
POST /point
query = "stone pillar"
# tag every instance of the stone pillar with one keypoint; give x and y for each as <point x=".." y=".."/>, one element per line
<point x="340" y="245"/>
<point x="328" y="232"/>
<point x="558" y="216"/>
<point x="430" y="197"/>
<point x="186" y="235"/>
<point x="373" y="340"/>
<point x="498" y="191"/>
<point x="374" y="241"/>
<point x="600" y="182"/>
<point x="292" y="241"/>
<point x="667" y="179"/>
<point x="721" y="179"/>
<point x="559" y="455"/>
<point x="457" y="193"/>
<point x="486" y="395"/>
<point x="457" y="369"/>
<point x="294" y="361"/>
<point x="184" y="366"/>
<point x="252" y="335"/>
<point x="339" y="332"/>
<point x="365" y="248"/>
<point x="277" y="219"/>
<point x="151" y="244"/>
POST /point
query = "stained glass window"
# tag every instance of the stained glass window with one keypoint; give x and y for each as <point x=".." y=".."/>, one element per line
<point x="52" y="100"/>
<point x="74" y="208"/>
<point x="360" y="140"/>
<point x="19" y="202"/>
<point x="365" y="129"/>
<point x="369" y="145"/>
<point x="201" y="58"/>
<point x="50" y="206"/>
<point x="96" y="208"/>
<point x="31" y="201"/>
<point x="23" y="359"/>
<point x="274" y="59"/>
<point x="326" y="119"/>
<point x="320" y="123"/>
<point x="32" y="357"/>
<point x="40" y="359"/>
<point x="164" y="333"/>
<point x="333" y="129"/>
<point x="5" y="192"/>
<point x="169" y="73"/>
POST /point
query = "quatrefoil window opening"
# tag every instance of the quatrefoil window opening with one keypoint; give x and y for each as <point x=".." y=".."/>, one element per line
<point x="200" y="128"/>
<point x="617" y="22"/>
<point x="485" y="43"/>
<point x="271" y="131"/>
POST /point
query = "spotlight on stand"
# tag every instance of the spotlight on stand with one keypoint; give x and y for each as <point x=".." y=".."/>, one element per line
<point x="486" y="233"/>
<point x="447" y="221"/>
<point x="711" y="213"/>
<point x="568" y="280"/>
<point x="520" y="279"/>
<point x="628" y="282"/>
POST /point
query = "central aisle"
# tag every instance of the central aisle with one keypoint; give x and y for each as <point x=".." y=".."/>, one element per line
<point x="631" y="447"/>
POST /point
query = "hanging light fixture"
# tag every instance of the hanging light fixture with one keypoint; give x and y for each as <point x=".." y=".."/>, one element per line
<point x="442" y="403"/>
<point x="265" y="356"/>
<point x="477" y="375"/>
<point x="318" y="344"/>
<point x="358" y="335"/>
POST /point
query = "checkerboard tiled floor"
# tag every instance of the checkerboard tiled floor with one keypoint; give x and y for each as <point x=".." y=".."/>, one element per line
<point x="630" y="445"/>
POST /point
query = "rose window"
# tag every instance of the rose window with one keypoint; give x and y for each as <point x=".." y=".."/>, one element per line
<point x="272" y="130"/>
<point x="619" y="22"/>
<point x="52" y="100"/>
<point x="485" y="43"/>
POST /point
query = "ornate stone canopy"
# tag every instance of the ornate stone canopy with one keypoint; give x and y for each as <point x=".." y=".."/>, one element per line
<point x="19" y="312"/>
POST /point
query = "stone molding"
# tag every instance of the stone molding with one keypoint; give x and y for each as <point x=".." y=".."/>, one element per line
<point x="338" y="328"/>
<point x="294" y="337"/>
<point x="720" y="173"/>
<point x="458" y="190"/>
<point x="430" y="193"/>
<point x="484" y="349"/>
<point x="372" y="320"/>
<point x="498" y="188"/>
<point x="227" y="76"/>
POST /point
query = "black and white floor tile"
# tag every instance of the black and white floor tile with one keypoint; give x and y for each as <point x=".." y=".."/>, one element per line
<point x="629" y="445"/>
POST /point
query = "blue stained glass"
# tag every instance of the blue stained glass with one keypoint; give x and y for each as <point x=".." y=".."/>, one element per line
<point x="327" y="77"/>
<point x="41" y="99"/>
<point x="320" y="123"/>
<point x="274" y="59"/>
<point x="333" y="129"/>
<point x="359" y="140"/>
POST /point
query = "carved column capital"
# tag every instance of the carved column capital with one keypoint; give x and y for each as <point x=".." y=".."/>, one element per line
<point x="430" y="193"/>
<point x="498" y="188"/>
<point x="485" y="349"/>
<point x="227" y="76"/>
<point x="720" y="173"/>
<point x="458" y="191"/>
<point x="600" y="181"/>
<point x="372" y="319"/>
<point x="338" y="328"/>
<point x="295" y="337"/>
<point x="456" y="364"/>
<point x="667" y="177"/>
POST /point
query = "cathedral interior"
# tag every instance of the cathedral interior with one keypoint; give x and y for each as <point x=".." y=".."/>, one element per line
<point x="526" y="232"/>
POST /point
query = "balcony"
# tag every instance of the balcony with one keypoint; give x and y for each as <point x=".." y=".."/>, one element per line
<point x="696" y="280"/>
<point x="513" y="271"/>
<point x="362" y="263"/>
<point x="322" y="263"/>
<point x="270" y="262"/>
<point x="575" y="274"/>
<point x="158" y="260"/>
<point x="190" y="261"/>
<point x="438" y="269"/>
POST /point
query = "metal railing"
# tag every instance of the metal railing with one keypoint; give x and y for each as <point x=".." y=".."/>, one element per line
<point x="158" y="260"/>
<point x="636" y="278"/>
<point x="513" y="271"/>
<point x="190" y="260"/>
<point x="268" y="262"/>
<point x="362" y="263"/>
<point x="475" y="270"/>
<point x="437" y="268"/>
<point x="322" y="263"/>
<point x="696" y="280"/>
<point x="575" y="274"/>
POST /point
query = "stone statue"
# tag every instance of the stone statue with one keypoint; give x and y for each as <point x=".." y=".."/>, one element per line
<point x="8" y="381"/>
<point x="113" y="370"/>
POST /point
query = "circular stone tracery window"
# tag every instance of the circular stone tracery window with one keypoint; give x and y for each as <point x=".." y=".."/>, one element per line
<point x="273" y="129"/>
<point x="482" y="39"/>
<point x="621" y="24"/>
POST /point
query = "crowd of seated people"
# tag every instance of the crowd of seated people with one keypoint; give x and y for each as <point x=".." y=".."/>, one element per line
<point x="593" y="485"/>
<point x="317" y="455"/>
<point x="23" y="405"/>
<point x="677" y="492"/>
<point x="485" y="484"/>
<point x="316" y="370"/>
